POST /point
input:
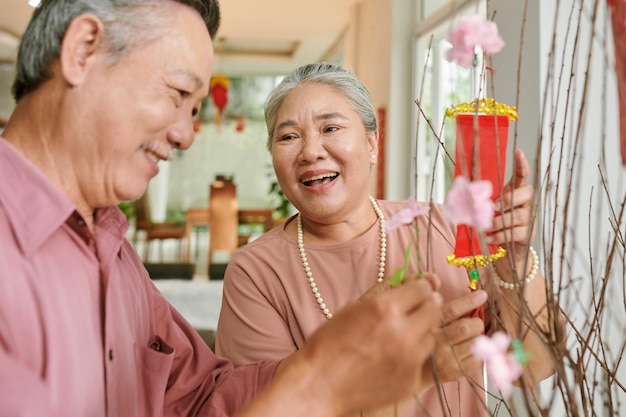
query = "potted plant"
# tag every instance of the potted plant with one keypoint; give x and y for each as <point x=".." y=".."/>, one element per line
<point x="282" y="206"/>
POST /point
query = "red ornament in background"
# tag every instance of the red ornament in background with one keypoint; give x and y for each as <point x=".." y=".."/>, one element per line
<point x="240" y="125"/>
<point x="196" y="125"/>
<point x="219" y="93"/>
<point x="618" y="20"/>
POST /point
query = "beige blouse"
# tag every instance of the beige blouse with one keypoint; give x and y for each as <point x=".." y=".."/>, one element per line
<point x="268" y="309"/>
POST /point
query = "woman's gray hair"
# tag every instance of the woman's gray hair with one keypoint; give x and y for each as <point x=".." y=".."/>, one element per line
<point x="342" y="80"/>
<point x="127" y="23"/>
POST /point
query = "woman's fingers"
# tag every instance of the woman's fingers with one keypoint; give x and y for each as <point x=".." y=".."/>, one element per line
<point x="520" y="197"/>
<point x="462" y="306"/>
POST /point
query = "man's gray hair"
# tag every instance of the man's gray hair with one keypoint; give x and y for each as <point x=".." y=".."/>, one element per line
<point x="127" y="23"/>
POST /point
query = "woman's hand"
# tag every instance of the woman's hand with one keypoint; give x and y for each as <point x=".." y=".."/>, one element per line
<point x="453" y="339"/>
<point x="526" y="318"/>
<point x="514" y="220"/>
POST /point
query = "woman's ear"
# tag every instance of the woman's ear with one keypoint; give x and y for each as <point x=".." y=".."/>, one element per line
<point x="372" y="146"/>
<point x="83" y="38"/>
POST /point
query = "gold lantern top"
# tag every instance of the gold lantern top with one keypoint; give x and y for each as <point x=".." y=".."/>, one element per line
<point x="483" y="106"/>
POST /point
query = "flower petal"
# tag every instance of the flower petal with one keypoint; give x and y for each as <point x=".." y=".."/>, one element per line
<point x="502" y="367"/>
<point x="470" y="203"/>
<point x="470" y="32"/>
<point x="406" y="215"/>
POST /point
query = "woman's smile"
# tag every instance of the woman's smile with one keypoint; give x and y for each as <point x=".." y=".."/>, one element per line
<point x="320" y="179"/>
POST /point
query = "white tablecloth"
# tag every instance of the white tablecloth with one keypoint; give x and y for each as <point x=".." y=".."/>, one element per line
<point x="198" y="300"/>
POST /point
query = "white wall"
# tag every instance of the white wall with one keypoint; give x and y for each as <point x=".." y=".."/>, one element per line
<point x="379" y="49"/>
<point x="222" y="151"/>
<point x="400" y="140"/>
<point x="368" y="53"/>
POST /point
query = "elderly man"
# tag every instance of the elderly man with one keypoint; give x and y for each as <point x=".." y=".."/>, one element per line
<point x="105" y="89"/>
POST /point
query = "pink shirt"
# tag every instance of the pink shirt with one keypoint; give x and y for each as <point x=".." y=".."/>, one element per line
<point x="83" y="330"/>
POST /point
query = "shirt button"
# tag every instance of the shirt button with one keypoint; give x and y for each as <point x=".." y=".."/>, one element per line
<point x="110" y="354"/>
<point x="81" y="222"/>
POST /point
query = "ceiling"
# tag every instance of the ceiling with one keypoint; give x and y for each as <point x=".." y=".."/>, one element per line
<point x="255" y="37"/>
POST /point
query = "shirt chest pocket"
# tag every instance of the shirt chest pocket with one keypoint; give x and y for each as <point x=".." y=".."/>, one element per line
<point x="154" y="364"/>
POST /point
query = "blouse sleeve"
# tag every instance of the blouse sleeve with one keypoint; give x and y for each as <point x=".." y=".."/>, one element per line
<point x="252" y="327"/>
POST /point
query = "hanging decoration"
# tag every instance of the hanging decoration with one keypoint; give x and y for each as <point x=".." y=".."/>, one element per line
<point x="618" y="22"/>
<point x="482" y="128"/>
<point x="480" y="156"/>
<point x="240" y="125"/>
<point x="219" y="93"/>
<point x="197" y="124"/>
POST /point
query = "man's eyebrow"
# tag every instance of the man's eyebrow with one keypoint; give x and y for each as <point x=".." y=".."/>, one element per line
<point x="189" y="74"/>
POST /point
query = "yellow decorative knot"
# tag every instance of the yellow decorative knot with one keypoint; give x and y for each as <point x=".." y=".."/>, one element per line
<point x="471" y="262"/>
<point x="483" y="106"/>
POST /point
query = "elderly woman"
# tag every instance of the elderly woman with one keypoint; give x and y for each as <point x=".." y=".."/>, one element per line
<point x="278" y="289"/>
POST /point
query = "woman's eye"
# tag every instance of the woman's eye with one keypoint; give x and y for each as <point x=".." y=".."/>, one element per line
<point x="331" y="129"/>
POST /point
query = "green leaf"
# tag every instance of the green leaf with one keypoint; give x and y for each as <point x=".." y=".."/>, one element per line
<point x="520" y="354"/>
<point x="397" y="277"/>
<point x="399" y="274"/>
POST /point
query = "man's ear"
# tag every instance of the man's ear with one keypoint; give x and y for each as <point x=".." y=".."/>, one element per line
<point x="83" y="38"/>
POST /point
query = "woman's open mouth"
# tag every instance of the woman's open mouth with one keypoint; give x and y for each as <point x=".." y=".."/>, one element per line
<point x="321" y="179"/>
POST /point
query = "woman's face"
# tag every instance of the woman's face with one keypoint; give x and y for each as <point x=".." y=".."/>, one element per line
<point x="322" y="153"/>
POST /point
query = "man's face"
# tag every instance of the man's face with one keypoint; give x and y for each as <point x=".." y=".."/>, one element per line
<point x="145" y="105"/>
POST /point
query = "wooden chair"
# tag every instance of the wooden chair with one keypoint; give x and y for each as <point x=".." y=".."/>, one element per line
<point x="199" y="218"/>
<point x="262" y="216"/>
<point x="156" y="230"/>
<point x="223" y="217"/>
<point x="195" y="218"/>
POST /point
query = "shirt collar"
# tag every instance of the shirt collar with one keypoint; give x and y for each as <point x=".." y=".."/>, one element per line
<point x="35" y="207"/>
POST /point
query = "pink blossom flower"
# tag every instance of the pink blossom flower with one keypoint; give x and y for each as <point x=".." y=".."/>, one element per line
<point x="470" y="32"/>
<point x="406" y="215"/>
<point x="491" y="42"/>
<point x="470" y="203"/>
<point x="502" y="367"/>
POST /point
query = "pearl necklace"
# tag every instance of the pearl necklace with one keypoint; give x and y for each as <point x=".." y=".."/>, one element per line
<point x="307" y="269"/>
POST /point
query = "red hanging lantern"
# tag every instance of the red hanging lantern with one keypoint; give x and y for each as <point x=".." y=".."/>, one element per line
<point x="219" y="93"/>
<point x="491" y="152"/>
<point x="482" y="129"/>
